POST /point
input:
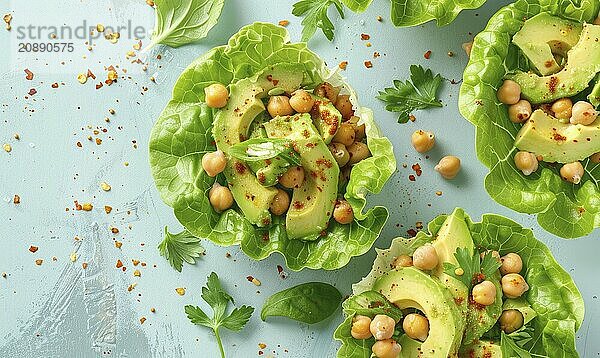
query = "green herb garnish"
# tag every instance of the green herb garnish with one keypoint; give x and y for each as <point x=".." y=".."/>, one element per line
<point x="419" y="92"/>
<point x="180" y="247"/>
<point x="257" y="149"/>
<point x="309" y="302"/>
<point x="180" y="23"/>
<point x="472" y="266"/>
<point x="315" y="16"/>
<point x="218" y="300"/>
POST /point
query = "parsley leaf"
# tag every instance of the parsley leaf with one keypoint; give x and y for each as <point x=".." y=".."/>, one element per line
<point x="419" y="92"/>
<point x="315" y="16"/>
<point x="472" y="266"/>
<point x="180" y="247"/>
<point x="218" y="300"/>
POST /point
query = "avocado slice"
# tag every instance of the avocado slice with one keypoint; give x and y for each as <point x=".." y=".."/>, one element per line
<point x="583" y="63"/>
<point x="327" y="118"/>
<point x="231" y="126"/>
<point x="484" y="349"/>
<point x="455" y="234"/>
<point x="594" y="96"/>
<point x="312" y="203"/>
<point x="558" y="142"/>
<point x="544" y="36"/>
<point x="409" y="287"/>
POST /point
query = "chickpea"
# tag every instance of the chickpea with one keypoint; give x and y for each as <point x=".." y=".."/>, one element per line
<point x="425" y="257"/>
<point x="511" y="263"/>
<point x="382" y="327"/>
<point x="358" y="151"/>
<point x="416" y="326"/>
<point x="342" y="212"/>
<point x="509" y="92"/>
<point x="422" y="140"/>
<point x="361" y="327"/>
<point x="216" y="95"/>
<point x="583" y="113"/>
<point x="220" y="197"/>
<point x="595" y="158"/>
<point x="514" y="285"/>
<point x="292" y="178"/>
<point x="520" y="111"/>
<point x="563" y="108"/>
<point x="511" y="320"/>
<point x="484" y="293"/>
<point x="279" y="106"/>
<point x="359" y="130"/>
<point x="343" y="105"/>
<point x="301" y="101"/>
<point x="468" y="46"/>
<point x="402" y="261"/>
<point x="448" y="167"/>
<point x="214" y="163"/>
<point x="388" y="348"/>
<point x="280" y="203"/>
<point x="340" y="153"/>
<point x="572" y="172"/>
<point x="326" y="90"/>
<point x="526" y="162"/>
<point x="345" y="134"/>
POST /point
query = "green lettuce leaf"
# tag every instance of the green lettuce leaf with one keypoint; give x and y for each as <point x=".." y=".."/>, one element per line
<point x="564" y="209"/>
<point x="183" y="134"/>
<point x="557" y="305"/>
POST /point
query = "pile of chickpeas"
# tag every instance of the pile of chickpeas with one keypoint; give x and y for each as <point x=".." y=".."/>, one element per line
<point x="416" y="325"/>
<point x="347" y="146"/>
<point x="519" y="111"/>
<point x="423" y="142"/>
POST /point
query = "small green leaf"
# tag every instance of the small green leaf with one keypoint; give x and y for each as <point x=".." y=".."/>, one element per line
<point x="238" y="318"/>
<point x="180" y="23"/>
<point x="180" y="247"/>
<point x="315" y="16"/>
<point x="309" y="302"/>
<point x="371" y="303"/>
<point x="257" y="149"/>
<point x="419" y="92"/>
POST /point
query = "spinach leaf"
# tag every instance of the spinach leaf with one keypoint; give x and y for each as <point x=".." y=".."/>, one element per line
<point x="182" y="22"/>
<point x="564" y="209"/>
<point x="308" y="302"/>
<point x="371" y="303"/>
<point x="257" y="149"/>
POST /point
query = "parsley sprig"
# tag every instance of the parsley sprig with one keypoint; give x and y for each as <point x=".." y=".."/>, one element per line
<point x="419" y="92"/>
<point x="180" y="247"/>
<point x="473" y="266"/>
<point x="218" y="300"/>
<point x="315" y="16"/>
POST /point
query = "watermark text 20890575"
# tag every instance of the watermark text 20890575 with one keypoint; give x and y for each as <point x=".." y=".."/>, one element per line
<point x="45" y="47"/>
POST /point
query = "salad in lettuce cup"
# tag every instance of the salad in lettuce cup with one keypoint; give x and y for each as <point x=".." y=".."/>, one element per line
<point x="531" y="89"/>
<point x="465" y="289"/>
<point x="262" y="146"/>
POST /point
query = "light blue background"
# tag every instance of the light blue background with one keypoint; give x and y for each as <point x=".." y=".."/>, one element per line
<point x="60" y="310"/>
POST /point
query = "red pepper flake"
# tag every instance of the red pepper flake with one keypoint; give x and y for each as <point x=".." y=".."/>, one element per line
<point x="99" y="85"/>
<point x="417" y="168"/>
<point x="376" y="54"/>
<point x="365" y="37"/>
<point x="114" y="230"/>
<point x="90" y="74"/>
<point x="84" y="265"/>
<point x="32" y="91"/>
<point x="412" y="177"/>
<point x="284" y="23"/>
<point x="427" y="55"/>
<point x="107" y="209"/>
<point x="29" y="75"/>
<point x="142" y="320"/>
<point x="279" y="269"/>
<point x="411" y="232"/>
<point x="412" y="118"/>
<point x="368" y="64"/>
<point x="119" y="264"/>
<point x="33" y="248"/>
<point x="343" y="65"/>
<point x="16" y="199"/>
<point x="55" y="85"/>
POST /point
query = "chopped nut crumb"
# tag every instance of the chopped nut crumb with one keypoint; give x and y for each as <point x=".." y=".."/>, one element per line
<point x="87" y="207"/>
<point x="343" y="65"/>
<point x="438" y="193"/>
<point x="7" y="19"/>
<point x="142" y="320"/>
<point x="82" y="78"/>
<point x="84" y="265"/>
<point x="131" y="287"/>
<point x="284" y="23"/>
<point x="4" y="275"/>
<point x="118" y="244"/>
<point x="114" y="230"/>
<point x="180" y="291"/>
<point x="100" y="28"/>
<point x="33" y="248"/>
<point x="107" y="209"/>
<point x="379" y="18"/>
<point x="135" y="262"/>
<point x="262" y="346"/>
<point x="105" y="186"/>
<point x="111" y="111"/>
<point x="137" y="273"/>
<point x="16" y="136"/>
<point x="39" y="262"/>
<point x="73" y="257"/>
<point x="150" y="2"/>
<point x="153" y="310"/>
<point x="16" y="199"/>
<point x="7" y="148"/>
<point x="368" y="64"/>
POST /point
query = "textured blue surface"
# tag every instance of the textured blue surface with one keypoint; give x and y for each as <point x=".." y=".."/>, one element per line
<point x="60" y="310"/>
